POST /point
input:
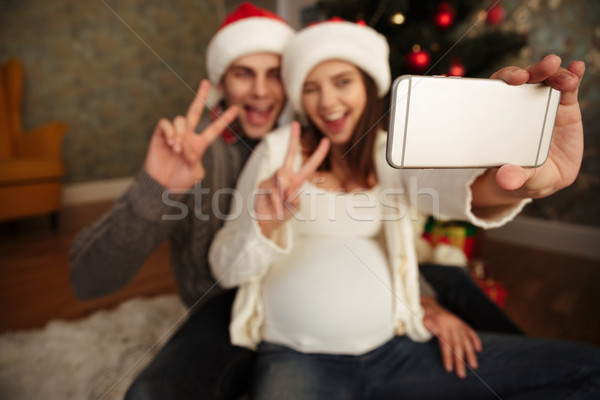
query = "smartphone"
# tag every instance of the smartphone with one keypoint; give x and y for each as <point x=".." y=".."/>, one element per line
<point x="452" y="122"/>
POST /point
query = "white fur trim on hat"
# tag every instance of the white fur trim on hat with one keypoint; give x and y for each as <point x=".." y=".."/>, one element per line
<point x="246" y="36"/>
<point x="358" y="44"/>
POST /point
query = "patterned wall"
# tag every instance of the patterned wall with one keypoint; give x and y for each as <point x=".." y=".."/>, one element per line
<point x="109" y="69"/>
<point x="570" y="29"/>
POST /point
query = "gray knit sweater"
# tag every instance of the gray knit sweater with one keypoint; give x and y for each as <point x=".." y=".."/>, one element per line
<point x="108" y="254"/>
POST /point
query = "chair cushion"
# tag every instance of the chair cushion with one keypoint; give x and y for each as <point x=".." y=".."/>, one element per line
<point x="18" y="170"/>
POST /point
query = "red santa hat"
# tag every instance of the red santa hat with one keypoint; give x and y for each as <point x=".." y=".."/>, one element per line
<point x="335" y="39"/>
<point x="248" y="29"/>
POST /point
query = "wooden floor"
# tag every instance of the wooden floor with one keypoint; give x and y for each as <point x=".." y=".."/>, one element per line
<point x="549" y="294"/>
<point x="34" y="271"/>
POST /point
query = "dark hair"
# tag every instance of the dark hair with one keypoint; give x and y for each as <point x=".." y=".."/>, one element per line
<point x="362" y="141"/>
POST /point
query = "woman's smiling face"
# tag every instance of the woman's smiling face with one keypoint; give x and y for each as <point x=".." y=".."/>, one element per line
<point x="334" y="98"/>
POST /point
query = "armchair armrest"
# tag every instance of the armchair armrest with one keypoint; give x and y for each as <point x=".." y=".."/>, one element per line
<point x="43" y="141"/>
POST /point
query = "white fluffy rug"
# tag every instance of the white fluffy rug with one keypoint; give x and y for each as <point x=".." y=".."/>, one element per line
<point x="92" y="358"/>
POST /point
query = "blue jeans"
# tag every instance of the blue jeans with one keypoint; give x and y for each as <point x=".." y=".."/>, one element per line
<point x="198" y="362"/>
<point x="510" y="367"/>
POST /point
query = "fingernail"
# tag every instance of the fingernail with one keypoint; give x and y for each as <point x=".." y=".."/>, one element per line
<point x="516" y="69"/>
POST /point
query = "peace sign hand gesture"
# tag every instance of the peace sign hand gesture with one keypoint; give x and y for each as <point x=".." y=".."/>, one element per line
<point x="277" y="197"/>
<point x="175" y="152"/>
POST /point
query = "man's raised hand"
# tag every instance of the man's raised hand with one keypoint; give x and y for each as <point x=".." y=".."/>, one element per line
<point x="175" y="152"/>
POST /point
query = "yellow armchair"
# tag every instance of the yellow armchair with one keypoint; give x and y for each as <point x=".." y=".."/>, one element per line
<point x="31" y="168"/>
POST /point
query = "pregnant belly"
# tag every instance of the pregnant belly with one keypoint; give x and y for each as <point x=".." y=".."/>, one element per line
<point x="324" y="291"/>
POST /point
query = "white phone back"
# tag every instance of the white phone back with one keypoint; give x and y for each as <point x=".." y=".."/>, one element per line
<point x="448" y="122"/>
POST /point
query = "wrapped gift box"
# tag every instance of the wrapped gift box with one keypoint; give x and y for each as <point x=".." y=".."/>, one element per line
<point x="467" y="238"/>
<point x="494" y="290"/>
<point x="455" y="233"/>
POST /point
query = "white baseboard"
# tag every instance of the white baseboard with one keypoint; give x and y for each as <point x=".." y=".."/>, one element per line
<point x="93" y="192"/>
<point x="577" y="240"/>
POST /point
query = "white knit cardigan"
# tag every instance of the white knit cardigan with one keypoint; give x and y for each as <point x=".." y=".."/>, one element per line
<point x="242" y="256"/>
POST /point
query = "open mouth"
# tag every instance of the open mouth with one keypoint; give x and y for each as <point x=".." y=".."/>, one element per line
<point x="335" y="122"/>
<point x="258" y="115"/>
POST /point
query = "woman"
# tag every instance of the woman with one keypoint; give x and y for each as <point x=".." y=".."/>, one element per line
<point x="322" y="249"/>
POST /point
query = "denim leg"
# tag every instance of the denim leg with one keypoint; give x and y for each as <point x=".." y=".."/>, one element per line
<point x="510" y="367"/>
<point x="284" y="374"/>
<point x="457" y="292"/>
<point x="198" y="362"/>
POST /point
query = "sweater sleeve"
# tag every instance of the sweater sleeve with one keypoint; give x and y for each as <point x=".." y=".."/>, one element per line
<point x="240" y="252"/>
<point x="446" y="194"/>
<point x="106" y="255"/>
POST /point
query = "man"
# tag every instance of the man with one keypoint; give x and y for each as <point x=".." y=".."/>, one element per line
<point x="243" y="62"/>
<point x="198" y="361"/>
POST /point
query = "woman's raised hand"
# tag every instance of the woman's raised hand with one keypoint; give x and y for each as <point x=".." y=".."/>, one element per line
<point x="566" y="150"/>
<point x="509" y="183"/>
<point x="175" y="152"/>
<point x="277" y="198"/>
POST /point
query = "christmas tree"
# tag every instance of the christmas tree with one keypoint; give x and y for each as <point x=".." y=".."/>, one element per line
<point x="459" y="38"/>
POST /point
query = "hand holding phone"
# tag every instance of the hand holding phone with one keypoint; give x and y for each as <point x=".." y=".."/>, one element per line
<point x="451" y="122"/>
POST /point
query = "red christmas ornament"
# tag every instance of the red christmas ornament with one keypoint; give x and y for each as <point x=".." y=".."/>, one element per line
<point x="495" y="15"/>
<point x="456" y="68"/>
<point x="418" y="60"/>
<point x="445" y="16"/>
